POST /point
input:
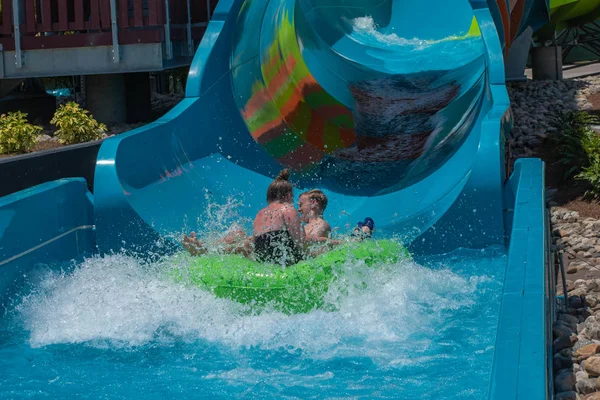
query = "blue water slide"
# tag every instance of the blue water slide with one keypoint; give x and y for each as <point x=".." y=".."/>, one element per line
<point x="397" y="109"/>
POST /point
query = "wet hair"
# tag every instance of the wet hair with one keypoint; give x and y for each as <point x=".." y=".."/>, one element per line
<point x="280" y="188"/>
<point x="319" y="197"/>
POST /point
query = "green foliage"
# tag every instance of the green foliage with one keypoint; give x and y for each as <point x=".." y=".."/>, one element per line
<point x="591" y="173"/>
<point x="16" y="134"/>
<point x="579" y="148"/>
<point x="573" y="130"/>
<point x="76" y="125"/>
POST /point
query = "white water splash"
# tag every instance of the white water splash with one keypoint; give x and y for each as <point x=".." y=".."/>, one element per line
<point x="117" y="301"/>
<point x="366" y="26"/>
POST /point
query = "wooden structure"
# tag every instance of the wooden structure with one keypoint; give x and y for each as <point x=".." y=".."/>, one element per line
<point x="44" y="37"/>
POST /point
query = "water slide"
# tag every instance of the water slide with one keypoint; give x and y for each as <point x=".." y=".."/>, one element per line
<point x="397" y="111"/>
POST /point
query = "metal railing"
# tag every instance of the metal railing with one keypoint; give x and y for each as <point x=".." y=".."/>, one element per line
<point x="46" y="24"/>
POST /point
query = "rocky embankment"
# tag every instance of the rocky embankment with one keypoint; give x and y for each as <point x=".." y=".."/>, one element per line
<point x="576" y="334"/>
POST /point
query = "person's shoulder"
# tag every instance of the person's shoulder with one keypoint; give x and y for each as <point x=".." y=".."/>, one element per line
<point x="288" y="209"/>
<point x="324" y="225"/>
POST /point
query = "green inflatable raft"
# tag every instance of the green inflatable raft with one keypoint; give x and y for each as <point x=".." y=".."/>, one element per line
<point x="296" y="289"/>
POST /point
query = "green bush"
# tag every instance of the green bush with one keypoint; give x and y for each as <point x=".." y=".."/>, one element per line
<point x="579" y="148"/>
<point x="591" y="172"/>
<point x="16" y="134"/>
<point x="76" y="125"/>
<point x="573" y="129"/>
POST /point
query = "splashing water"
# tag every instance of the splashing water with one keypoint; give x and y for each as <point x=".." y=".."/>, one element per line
<point x="409" y="55"/>
<point x="114" y="325"/>
<point x="367" y="27"/>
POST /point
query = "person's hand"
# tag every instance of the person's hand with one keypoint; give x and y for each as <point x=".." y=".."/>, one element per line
<point x="193" y="245"/>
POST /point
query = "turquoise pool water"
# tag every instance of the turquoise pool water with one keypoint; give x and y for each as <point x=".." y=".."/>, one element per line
<point x="112" y="328"/>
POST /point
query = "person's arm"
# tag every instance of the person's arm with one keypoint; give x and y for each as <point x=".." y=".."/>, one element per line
<point x="292" y="221"/>
<point x="194" y="246"/>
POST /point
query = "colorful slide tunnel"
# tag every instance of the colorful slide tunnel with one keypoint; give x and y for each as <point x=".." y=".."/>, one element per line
<point x="397" y="112"/>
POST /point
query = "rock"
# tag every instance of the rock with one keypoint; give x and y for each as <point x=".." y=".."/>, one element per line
<point x="586" y="386"/>
<point x="594" y="396"/>
<point x="574" y="239"/>
<point x="563" y="342"/>
<point x="592" y="366"/>
<point x="580" y="343"/>
<point x="559" y="330"/>
<point x="581" y="375"/>
<point x="576" y="302"/>
<point x="562" y="233"/>
<point x="587" y="351"/>
<point x="569" y="319"/>
<point x="584" y="245"/>
<point x="564" y="381"/>
<point x="568" y="352"/>
<point x="577" y="368"/>
<point x="550" y="192"/>
<point x="571" y="325"/>
<point x="592" y="328"/>
<point x="561" y="362"/>
<point x="591" y="301"/>
<point x="573" y="268"/>
<point x="571" y="395"/>
<point x="579" y="291"/>
<point x="44" y="138"/>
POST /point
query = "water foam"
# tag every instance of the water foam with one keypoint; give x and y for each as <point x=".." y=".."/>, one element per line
<point x="118" y="301"/>
<point x="366" y="26"/>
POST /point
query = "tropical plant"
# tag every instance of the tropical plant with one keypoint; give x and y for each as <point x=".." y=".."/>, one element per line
<point x="76" y="125"/>
<point x="573" y="134"/>
<point x="591" y="172"/>
<point x="16" y="134"/>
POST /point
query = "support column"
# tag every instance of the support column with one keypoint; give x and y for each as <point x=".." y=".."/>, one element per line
<point x="516" y="61"/>
<point x="138" y="94"/>
<point x="546" y="62"/>
<point x="105" y="97"/>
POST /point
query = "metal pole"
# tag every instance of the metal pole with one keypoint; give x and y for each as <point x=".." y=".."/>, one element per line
<point x="208" y="10"/>
<point x="564" y="281"/>
<point x="82" y="90"/>
<point x="115" y="31"/>
<point x="168" y="44"/>
<point x="17" y="33"/>
<point x="190" y="41"/>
